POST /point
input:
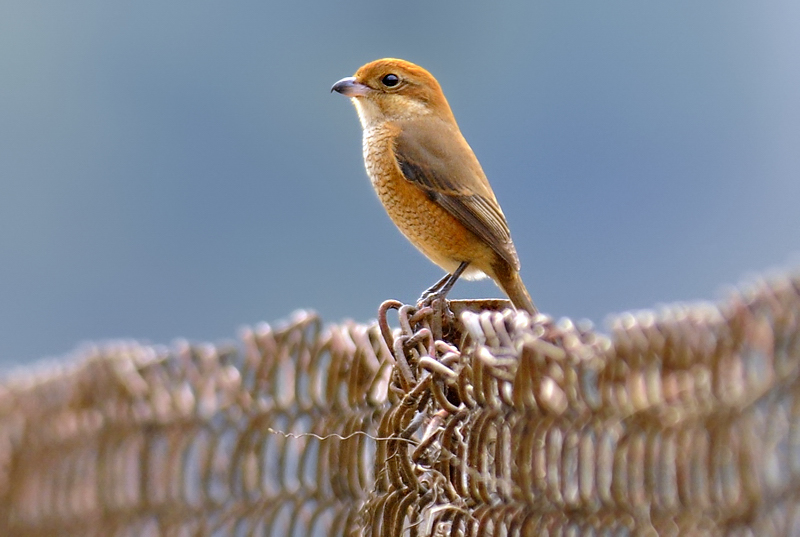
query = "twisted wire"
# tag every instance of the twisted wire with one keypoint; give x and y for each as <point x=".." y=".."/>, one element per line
<point x="459" y="418"/>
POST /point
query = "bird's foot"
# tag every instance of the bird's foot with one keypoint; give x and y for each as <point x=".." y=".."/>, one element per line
<point x="433" y="291"/>
<point x="428" y="299"/>
<point x="440" y="289"/>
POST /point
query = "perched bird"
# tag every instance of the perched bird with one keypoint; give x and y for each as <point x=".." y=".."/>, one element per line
<point x="428" y="178"/>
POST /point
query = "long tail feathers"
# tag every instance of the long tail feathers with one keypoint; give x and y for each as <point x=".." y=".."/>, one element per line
<point x="511" y="283"/>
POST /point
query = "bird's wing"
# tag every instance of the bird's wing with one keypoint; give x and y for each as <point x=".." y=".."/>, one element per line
<point x="451" y="176"/>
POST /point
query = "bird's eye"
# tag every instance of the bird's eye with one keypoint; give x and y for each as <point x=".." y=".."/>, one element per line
<point x="390" y="80"/>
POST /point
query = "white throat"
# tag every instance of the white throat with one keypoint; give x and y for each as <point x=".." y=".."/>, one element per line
<point x="371" y="115"/>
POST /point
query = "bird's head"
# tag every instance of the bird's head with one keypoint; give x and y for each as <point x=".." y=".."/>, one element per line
<point x="391" y="90"/>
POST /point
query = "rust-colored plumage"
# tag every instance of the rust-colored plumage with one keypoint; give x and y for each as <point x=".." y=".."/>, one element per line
<point x="428" y="178"/>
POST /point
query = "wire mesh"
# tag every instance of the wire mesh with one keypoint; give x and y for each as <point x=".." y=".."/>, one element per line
<point x="474" y="420"/>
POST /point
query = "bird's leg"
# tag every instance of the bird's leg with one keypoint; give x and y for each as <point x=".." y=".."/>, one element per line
<point x="434" y="288"/>
<point x="443" y="286"/>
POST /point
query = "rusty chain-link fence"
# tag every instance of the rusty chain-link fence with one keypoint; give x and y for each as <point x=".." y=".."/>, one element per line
<point x="684" y="421"/>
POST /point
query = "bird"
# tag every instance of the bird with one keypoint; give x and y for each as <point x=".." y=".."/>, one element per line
<point x="429" y="180"/>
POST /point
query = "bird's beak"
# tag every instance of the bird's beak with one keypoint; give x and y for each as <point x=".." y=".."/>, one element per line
<point x="350" y="87"/>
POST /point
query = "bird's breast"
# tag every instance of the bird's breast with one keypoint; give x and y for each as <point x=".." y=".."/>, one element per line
<point x="429" y="227"/>
<point x="377" y="146"/>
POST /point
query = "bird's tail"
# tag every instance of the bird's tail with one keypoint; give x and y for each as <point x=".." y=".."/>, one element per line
<point x="510" y="282"/>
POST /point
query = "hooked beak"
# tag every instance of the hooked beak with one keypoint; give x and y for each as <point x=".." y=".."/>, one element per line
<point x="350" y="87"/>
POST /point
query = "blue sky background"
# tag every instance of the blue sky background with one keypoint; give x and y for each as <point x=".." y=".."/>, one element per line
<point x="180" y="170"/>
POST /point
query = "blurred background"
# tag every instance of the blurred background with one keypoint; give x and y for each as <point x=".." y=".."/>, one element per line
<point x="181" y="169"/>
